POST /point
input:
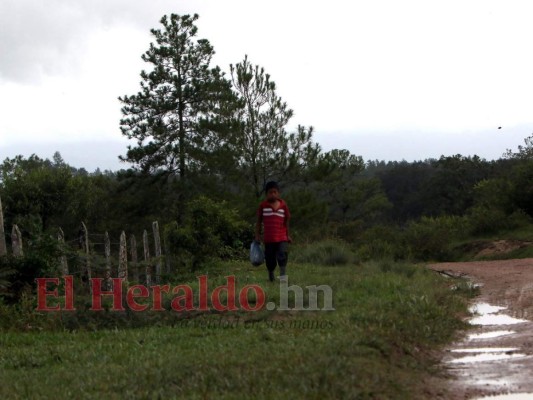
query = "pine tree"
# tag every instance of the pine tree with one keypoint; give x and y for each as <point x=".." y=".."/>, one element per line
<point x="176" y="99"/>
<point x="264" y="149"/>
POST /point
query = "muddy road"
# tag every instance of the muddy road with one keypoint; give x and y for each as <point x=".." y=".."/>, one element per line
<point x="496" y="356"/>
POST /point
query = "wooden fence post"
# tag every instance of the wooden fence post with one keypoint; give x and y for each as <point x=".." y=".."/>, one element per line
<point x="84" y="245"/>
<point x="157" y="245"/>
<point x="123" y="257"/>
<point x="3" y="248"/>
<point x="107" y="249"/>
<point x="63" y="259"/>
<point x="16" y="241"/>
<point x="147" y="258"/>
<point x="133" y="254"/>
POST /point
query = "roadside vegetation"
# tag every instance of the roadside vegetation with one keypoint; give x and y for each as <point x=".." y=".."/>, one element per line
<point x="380" y="342"/>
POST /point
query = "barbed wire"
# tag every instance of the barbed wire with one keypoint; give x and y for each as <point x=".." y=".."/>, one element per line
<point x="73" y="251"/>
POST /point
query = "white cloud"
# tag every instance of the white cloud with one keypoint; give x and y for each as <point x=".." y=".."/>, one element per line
<point x="48" y="38"/>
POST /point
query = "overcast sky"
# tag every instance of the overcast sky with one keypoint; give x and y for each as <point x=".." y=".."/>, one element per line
<point x="387" y="80"/>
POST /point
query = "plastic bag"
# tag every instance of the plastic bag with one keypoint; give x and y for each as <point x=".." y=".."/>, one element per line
<point x="257" y="257"/>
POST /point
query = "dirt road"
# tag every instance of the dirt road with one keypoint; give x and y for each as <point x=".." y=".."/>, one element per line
<point x="496" y="356"/>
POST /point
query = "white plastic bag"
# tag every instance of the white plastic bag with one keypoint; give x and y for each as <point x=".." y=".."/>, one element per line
<point x="257" y="257"/>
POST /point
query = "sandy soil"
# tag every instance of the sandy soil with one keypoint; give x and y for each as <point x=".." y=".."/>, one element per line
<point x="508" y="284"/>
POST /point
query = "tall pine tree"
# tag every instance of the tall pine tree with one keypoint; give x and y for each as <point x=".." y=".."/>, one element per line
<point x="167" y="116"/>
<point x="263" y="148"/>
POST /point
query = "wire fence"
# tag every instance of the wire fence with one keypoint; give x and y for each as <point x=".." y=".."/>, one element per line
<point x="97" y="255"/>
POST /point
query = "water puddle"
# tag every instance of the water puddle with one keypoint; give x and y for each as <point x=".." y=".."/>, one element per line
<point x="499" y="369"/>
<point x="513" y="396"/>
<point x="486" y="350"/>
<point x="488" y="315"/>
<point x="489" y="335"/>
<point x="494" y="319"/>
<point x="484" y="357"/>
<point x="485" y="308"/>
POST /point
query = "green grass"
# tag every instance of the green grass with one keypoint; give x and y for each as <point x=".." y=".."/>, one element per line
<point x="379" y="343"/>
<point x="326" y="252"/>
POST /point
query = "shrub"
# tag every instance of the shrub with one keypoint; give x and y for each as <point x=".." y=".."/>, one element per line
<point x="485" y="220"/>
<point x="211" y="230"/>
<point x="41" y="259"/>
<point x="350" y="231"/>
<point x="430" y="238"/>
<point x="6" y="272"/>
<point x="381" y="242"/>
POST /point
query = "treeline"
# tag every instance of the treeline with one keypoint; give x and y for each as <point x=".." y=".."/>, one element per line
<point x="340" y="196"/>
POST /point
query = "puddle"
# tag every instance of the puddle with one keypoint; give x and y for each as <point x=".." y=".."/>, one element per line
<point x="488" y="315"/>
<point x="498" y="368"/>
<point x="513" y="396"/>
<point x="489" y="335"/>
<point x="486" y="350"/>
<point x="483" y="357"/>
<point x="485" y="308"/>
<point x="493" y="382"/>
<point x="495" y="319"/>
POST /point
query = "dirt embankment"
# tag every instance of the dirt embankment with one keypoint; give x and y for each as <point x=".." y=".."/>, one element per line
<point x="484" y="248"/>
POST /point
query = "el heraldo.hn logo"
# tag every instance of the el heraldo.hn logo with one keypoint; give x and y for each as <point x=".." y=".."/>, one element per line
<point x="221" y="298"/>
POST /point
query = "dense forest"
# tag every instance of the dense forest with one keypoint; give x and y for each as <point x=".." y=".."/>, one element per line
<point x="373" y="204"/>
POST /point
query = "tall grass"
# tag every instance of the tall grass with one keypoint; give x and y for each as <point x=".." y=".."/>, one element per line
<point x="327" y="252"/>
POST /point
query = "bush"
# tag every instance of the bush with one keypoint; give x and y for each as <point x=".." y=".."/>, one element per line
<point x="41" y="259"/>
<point x="350" y="231"/>
<point x="381" y="242"/>
<point x="431" y="238"/>
<point x="211" y="230"/>
<point x="484" y="220"/>
<point x="6" y="272"/>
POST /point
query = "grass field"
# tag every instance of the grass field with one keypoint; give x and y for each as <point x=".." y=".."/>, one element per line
<point x="380" y="342"/>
